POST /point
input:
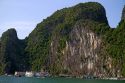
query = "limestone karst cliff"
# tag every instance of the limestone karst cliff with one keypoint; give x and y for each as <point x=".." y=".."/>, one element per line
<point x="56" y="29"/>
<point x="76" y="41"/>
<point x="12" y="54"/>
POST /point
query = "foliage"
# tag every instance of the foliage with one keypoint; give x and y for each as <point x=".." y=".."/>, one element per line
<point x="123" y="13"/>
<point x="115" y="39"/>
<point x="59" y="25"/>
<point x="12" y="53"/>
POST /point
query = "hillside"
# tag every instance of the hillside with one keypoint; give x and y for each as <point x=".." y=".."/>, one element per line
<point x="12" y="53"/>
<point x="75" y="41"/>
<point x="56" y="29"/>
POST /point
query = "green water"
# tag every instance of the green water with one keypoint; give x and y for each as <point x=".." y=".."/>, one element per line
<point x="4" y="79"/>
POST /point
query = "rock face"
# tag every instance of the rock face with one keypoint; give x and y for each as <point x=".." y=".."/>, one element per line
<point x="82" y="54"/>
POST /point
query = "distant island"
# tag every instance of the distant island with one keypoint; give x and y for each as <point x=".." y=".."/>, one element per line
<point x="75" y="41"/>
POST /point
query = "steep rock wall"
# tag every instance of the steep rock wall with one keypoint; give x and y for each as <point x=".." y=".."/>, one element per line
<point x="82" y="55"/>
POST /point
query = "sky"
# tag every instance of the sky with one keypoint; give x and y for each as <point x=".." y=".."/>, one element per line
<point x="24" y="15"/>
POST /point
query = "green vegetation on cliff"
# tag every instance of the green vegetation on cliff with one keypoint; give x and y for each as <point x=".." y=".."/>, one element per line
<point x="44" y="47"/>
<point x="59" y="26"/>
<point x="12" y="54"/>
<point x="123" y="13"/>
<point x="115" y="40"/>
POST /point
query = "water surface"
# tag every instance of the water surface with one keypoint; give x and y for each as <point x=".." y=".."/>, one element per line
<point x="5" y="79"/>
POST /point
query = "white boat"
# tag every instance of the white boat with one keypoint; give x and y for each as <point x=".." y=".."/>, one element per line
<point x="29" y="74"/>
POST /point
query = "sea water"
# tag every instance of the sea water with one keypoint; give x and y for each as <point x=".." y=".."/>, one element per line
<point x="12" y="79"/>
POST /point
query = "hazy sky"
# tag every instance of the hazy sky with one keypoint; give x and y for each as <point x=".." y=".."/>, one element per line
<point x="23" y="15"/>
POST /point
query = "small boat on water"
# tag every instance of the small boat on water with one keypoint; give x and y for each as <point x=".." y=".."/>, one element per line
<point x="29" y="74"/>
<point x="19" y="74"/>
